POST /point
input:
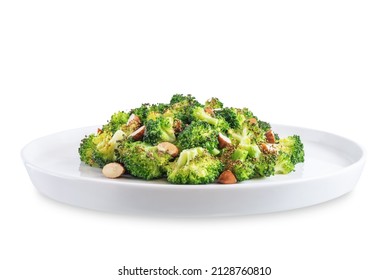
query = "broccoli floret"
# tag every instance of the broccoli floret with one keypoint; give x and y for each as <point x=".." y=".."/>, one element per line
<point x="239" y="118"/>
<point x="220" y="124"/>
<point x="143" y="160"/>
<point x="129" y="128"/>
<point x="249" y="133"/>
<point x="243" y="170"/>
<point x="290" y="152"/>
<point x="199" y="134"/>
<point x="181" y="107"/>
<point x="283" y="165"/>
<point x="264" y="126"/>
<point x="99" y="149"/>
<point x="198" y="113"/>
<point x="239" y="154"/>
<point x="180" y="98"/>
<point x="231" y="116"/>
<point x="252" y="150"/>
<point x="117" y="120"/>
<point x="265" y="165"/>
<point x="159" y="130"/>
<point x="247" y="161"/>
<point x="239" y="162"/>
<point x="293" y="146"/>
<point x="87" y="149"/>
<point x="141" y="111"/>
<point x="240" y="137"/>
<point x="106" y="143"/>
<point x="213" y="103"/>
<point x="235" y="116"/>
<point x="194" y="166"/>
<point x="150" y="111"/>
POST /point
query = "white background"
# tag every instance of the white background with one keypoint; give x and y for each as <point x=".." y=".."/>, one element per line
<point x="319" y="64"/>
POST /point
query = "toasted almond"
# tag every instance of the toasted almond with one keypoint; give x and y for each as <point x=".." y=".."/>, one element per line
<point x="252" y="120"/>
<point x="224" y="141"/>
<point x="133" y="118"/>
<point x="138" y="134"/>
<point x="270" y="138"/>
<point x="268" y="148"/>
<point x="178" y="126"/>
<point x="113" y="170"/>
<point x="209" y="111"/>
<point x="99" y="131"/>
<point x="227" y="177"/>
<point x="169" y="148"/>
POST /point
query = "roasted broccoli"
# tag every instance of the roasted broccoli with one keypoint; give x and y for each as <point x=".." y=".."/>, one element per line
<point x="213" y="103"/>
<point x="191" y="143"/>
<point x="239" y="162"/>
<point x="149" y="111"/>
<point x="265" y="165"/>
<point x="194" y="166"/>
<point x="117" y="120"/>
<point x="292" y="146"/>
<point x="181" y="107"/>
<point x="143" y="160"/>
<point x="99" y="149"/>
<point x="199" y="113"/>
<point x="290" y="153"/>
<point x="199" y="134"/>
<point x="159" y="130"/>
<point x="87" y="149"/>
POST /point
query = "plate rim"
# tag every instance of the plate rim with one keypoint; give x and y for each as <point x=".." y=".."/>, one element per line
<point x="256" y="182"/>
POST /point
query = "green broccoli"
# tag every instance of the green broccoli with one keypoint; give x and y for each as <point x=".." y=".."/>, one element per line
<point x="265" y="165"/>
<point x="213" y="103"/>
<point x="231" y="116"/>
<point x="99" y="149"/>
<point x="159" y="130"/>
<point x="212" y="138"/>
<point x="87" y="149"/>
<point x="198" y="113"/>
<point x="249" y="133"/>
<point x="243" y="170"/>
<point x="143" y="160"/>
<point x="180" y="98"/>
<point x="117" y="120"/>
<point x="264" y="126"/>
<point x="290" y="152"/>
<point x="149" y="111"/>
<point x="181" y="107"/>
<point x="220" y="124"/>
<point x="283" y="164"/>
<point x="238" y="161"/>
<point x="236" y="117"/>
<point x="199" y="134"/>
<point x="293" y="146"/>
<point x="194" y="166"/>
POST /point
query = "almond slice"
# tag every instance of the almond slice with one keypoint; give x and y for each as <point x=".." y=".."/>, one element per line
<point x="270" y="138"/>
<point x="113" y="170"/>
<point x="138" y="134"/>
<point x="133" y="118"/>
<point x="268" y="148"/>
<point x="169" y="148"/>
<point x="209" y="111"/>
<point x="227" y="177"/>
<point x="252" y="121"/>
<point x="224" y="141"/>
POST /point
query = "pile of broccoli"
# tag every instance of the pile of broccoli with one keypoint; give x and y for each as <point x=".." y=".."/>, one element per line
<point x="187" y="142"/>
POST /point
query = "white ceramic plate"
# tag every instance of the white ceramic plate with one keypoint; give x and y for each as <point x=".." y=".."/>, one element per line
<point x="332" y="168"/>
